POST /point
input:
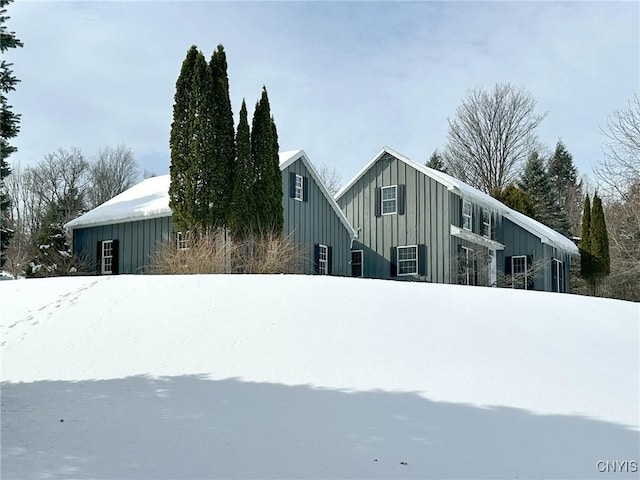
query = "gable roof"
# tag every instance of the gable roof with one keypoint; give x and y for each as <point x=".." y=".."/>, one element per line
<point x="546" y="234"/>
<point x="150" y="199"/>
<point x="287" y="158"/>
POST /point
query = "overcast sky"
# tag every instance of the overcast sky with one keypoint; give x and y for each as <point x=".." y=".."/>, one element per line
<point x="344" y="79"/>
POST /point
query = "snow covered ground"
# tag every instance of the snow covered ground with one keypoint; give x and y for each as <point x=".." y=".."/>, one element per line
<point x="141" y="377"/>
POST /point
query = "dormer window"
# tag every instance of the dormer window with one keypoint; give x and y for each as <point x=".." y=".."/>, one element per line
<point x="467" y="215"/>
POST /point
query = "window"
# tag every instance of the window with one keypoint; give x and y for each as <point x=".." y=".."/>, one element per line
<point x="519" y="272"/>
<point x="467" y="264"/>
<point x="467" y="215"/>
<point x="106" y="267"/>
<point x="389" y="200"/>
<point x="356" y="263"/>
<point x="557" y="276"/>
<point x="486" y="223"/>
<point x="408" y="260"/>
<point x="299" y="187"/>
<point x="182" y="240"/>
<point x="323" y="259"/>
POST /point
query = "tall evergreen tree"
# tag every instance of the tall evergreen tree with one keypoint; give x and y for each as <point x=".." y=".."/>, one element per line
<point x="184" y="173"/>
<point x="599" y="238"/>
<point x="585" y="242"/>
<point x="566" y="191"/>
<point x="267" y="176"/>
<point x="241" y="212"/>
<point x="515" y="198"/>
<point x="436" y="162"/>
<point x="222" y="161"/>
<point x="535" y="183"/>
<point x="9" y="126"/>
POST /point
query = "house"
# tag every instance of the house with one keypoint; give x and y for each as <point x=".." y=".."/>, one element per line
<point x="121" y="235"/>
<point x="418" y="224"/>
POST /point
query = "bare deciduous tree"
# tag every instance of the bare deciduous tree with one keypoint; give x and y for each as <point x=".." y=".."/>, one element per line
<point x="114" y="171"/>
<point x="331" y="178"/>
<point x="491" y="136"/>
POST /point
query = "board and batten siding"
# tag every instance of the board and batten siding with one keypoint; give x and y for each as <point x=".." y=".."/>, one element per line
<point x="137" y="241"/>
<point x="314" y="221"/>
<point x="425" y="220"/>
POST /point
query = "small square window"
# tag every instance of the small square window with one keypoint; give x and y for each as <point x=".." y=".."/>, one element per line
<point x="299" y="188"/>
<point x="408" y="260"/>
<point x="389" y="200"/>
<point x="467" y="215"/>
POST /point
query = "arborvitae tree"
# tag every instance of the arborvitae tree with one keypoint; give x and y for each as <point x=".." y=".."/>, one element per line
<point x="566" y="191"/>
<point x="535" y="183"/>
<point x="241" y="213"/>
<point x="9" y="127"/>
<point x="599" y="238"/>
<point x="515" y="198"/>
<point x="267" y="190"/>
<point x="436" y="162"/>
<point x="182" y="192"/>
<point x="585" y="242"/>
<point x="222" y="141"/>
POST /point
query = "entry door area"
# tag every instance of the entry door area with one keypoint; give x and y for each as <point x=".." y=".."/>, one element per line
<point x="493" y="270"/>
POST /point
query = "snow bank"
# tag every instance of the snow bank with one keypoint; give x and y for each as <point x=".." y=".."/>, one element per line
<point x="308" y="376"/>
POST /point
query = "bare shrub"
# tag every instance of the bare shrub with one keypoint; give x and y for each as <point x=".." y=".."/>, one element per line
<point x="268" y="253"/>
<point x="205" y="253"/>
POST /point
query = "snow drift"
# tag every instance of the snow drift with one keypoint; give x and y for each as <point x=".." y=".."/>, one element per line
<point x="307" y="376"/>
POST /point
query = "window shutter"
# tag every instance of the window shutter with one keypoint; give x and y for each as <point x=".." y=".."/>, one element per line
<point x="530" y="279"/>
<point x="116" y="257"/>
<point x="378" y="202"/>
<point x="316" y="258"/>
<point x="99" y="259"/>
<point x="555" y="284"/>
<point x="401" y="199"/>
<point x="422" y="260"/>
<point x="292" y="185"/>
<point x="305" y="189"/>
<point x="330" y="260"/>
<point x="394" y="265"/>
<point x="507" y="266"/>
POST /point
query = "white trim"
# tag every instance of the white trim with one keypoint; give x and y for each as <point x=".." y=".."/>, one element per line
<point x="526" y="271"/>
<point x="103" y="264"/>
<point x="395" y="199"/>
<point x="323" y="264"/>
<point x="299" y="189"/>
<point x="361" y="262"/>
<point x="398" y="261"/>
<point x="545" y="234"/>
<point x="467" y="203"/>
<point x="493" y="268"/>
<point x="559" y="266"/>
<point x="475" y="238"/>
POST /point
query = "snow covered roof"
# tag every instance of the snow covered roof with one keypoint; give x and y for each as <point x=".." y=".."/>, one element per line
<point x="545" y="234"/>
<point x="147" y="199"/>
<point x="150" y="199"/>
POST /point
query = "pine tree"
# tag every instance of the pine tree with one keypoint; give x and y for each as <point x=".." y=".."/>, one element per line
<point x="9" y="127"/>
<point x="515" y="198"/>
<point x="566" y="191"/>
<point x="182" y="193"/>
<point x="535" y="183"/>
<point x="241" y="212"/>
<point x="223" y="142"/>
<point x="585" y="242"/>
<point x="599" y="239"/>
<point x="54" y="257"/>
<point x="267" y="191"/>
<point x="436" y="162"/>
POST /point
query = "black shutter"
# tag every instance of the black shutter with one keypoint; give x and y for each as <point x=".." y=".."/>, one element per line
<point x="507" y="266"/>
<point x="305" y="189"/>
<point x="316" y="258"/>
<point x="329" y="260"/>
<point x="116" y="257"/>
<point x="99" y="258"/>
<point x="292" y="185"/>
<point x="422" y="260"/>
<point x="394" y="265"/>
<point x="378" y="203"/>
<point x="402" y="199"/>
<point x="555" y="283"/>
<point x="530" y="279"/>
